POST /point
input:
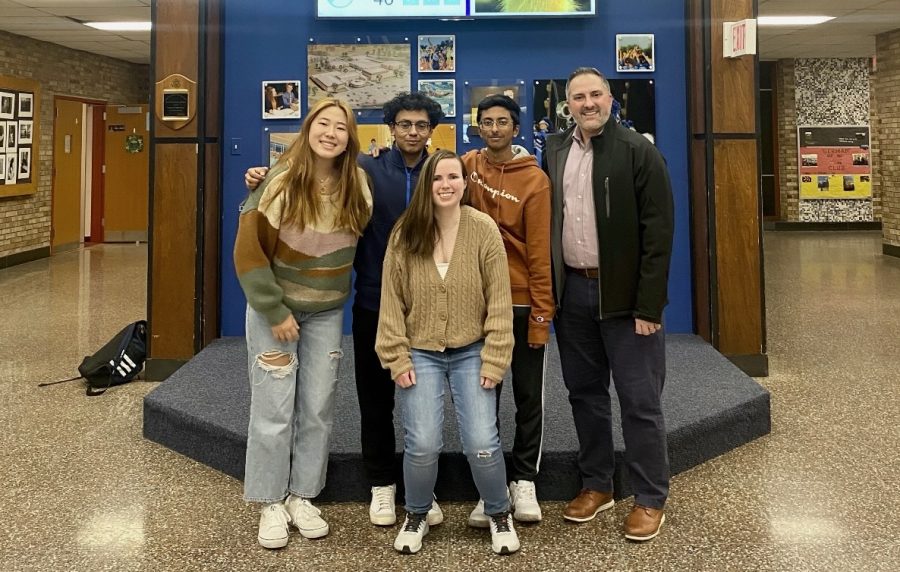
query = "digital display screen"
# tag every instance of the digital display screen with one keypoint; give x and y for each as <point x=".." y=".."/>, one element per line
<point x="453" y="8"/>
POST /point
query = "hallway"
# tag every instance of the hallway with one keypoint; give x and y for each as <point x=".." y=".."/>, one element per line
<point x="84" y="491"/>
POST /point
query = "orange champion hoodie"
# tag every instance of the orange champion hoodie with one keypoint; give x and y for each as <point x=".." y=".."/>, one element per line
<point x="516" y="194"/>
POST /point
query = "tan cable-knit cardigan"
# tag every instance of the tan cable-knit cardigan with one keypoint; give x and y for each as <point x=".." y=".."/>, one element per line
<point x="420" y="310"/>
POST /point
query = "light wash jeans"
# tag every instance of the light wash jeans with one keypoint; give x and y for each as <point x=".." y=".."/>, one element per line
<point x="422" y="407"/>
<point x="291" y="407"/>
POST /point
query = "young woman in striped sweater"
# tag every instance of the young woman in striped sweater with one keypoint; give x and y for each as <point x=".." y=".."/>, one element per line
<point x="295" y="245"/>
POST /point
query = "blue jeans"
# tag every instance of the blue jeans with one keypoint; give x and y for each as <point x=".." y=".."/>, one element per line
<point x="291" y="406"/>
<point x="422" y="407"/>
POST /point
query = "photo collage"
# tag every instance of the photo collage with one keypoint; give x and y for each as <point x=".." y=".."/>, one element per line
<point x="16" y="136"/>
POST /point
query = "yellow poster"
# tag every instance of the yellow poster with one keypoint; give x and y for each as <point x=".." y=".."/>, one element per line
<point x="835" y="186"/>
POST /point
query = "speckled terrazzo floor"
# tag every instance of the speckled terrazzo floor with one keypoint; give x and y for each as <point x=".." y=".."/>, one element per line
<point x="83" y="491"/>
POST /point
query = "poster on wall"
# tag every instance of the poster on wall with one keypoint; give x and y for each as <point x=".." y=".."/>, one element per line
<point x="834" y="162"/>
<point x="366" y="76"/>
<point x="19" y="130"/>
<point x="442" y="91"/>
<point x="276" y="142"/>
<point x="635" y="101"/>
<point x="635" y="53"/>
<point x="437" y="54"/>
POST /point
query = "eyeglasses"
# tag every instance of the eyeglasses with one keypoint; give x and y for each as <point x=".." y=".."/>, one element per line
<point x="405" y="126"/>
<point x="502" y="123"/>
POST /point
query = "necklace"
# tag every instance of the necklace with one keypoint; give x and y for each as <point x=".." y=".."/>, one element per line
<point x="324" y="184"/>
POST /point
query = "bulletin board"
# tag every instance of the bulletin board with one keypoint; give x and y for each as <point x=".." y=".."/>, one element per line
<point x="20" y="116"/>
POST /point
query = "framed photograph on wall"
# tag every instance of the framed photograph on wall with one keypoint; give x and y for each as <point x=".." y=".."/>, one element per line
<point x="7" y="105"/>
<point x="635" y="53"/>
<point x="281" y="99"/>
<point x="276" y="142"/>
<point x="442" y="91"/>
<point x="10" y="171"/>
<point x="11" y="135"/>
<point x="24" y="164"/>
<point x="26" y="105"/>
<point x="2" y="138"/>
<point x="2" y="167"/>
<point x="25" y="132"/>
<point x="366" y="76"/>
<point x="437" y="54"/>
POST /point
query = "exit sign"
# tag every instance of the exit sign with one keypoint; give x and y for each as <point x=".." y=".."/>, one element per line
<point x="739" y="38"/>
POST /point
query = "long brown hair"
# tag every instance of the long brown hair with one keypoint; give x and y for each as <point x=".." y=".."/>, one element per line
<point x="416" y="229"/>
<point x="301" y="205"/>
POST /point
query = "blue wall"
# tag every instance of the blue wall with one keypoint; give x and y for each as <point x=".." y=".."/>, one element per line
<point x="270" y="44"/>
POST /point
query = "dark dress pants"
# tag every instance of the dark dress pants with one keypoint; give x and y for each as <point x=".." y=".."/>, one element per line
<point x="527" y="368"/>
<point x="375" y="391"/>
<point x="590" y="349"/>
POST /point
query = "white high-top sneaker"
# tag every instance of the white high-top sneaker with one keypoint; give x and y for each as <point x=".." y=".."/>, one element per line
<point x="382" y="509"/>
<point x="524" y="501"/>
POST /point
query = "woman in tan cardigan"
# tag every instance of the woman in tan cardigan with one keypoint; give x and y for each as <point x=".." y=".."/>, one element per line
<point x="446" y="316"/>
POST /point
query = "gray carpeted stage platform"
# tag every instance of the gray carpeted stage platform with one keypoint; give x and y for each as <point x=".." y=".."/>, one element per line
<point x="711" y="407"/>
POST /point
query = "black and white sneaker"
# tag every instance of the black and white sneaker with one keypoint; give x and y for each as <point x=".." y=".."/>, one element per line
<point x="504" y="539"/>
<point x="414" y="529"/>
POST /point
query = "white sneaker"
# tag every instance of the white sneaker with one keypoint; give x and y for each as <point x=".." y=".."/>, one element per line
<point x="504" y="539"/>
<point x="306" y="517"/>
<point x="524" y="501"/>
<point x="382" y="509"/>
<point x="477" y="518"/>
<point x="273" y="526"/>
<point x="414" y="529"/>
<point x="435" y="514"/>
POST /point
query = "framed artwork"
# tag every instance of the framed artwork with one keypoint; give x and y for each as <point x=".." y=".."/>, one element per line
<point x="26" y="105"/>
<point x="24" y="163"/>
<point x="10" y="175"/>
<point x="276" y="142"/>
<point x="366" y="76"/>
<point x="635" y="53"/>
<point x="12" y="133"/>
<point x="7" y="105"/>
<point x="437" y="54"/>
<point x="2" y="138"/>
<point x="442" y="91"/>
<point x="25" y="132"/>
<point x="281" y="99"/>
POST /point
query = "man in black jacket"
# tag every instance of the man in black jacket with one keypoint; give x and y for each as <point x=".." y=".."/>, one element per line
<point x="611" y="243"/>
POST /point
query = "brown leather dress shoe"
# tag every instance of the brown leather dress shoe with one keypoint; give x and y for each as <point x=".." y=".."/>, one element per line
<point x="643" y="523"/>
<point x="587" y="504"/>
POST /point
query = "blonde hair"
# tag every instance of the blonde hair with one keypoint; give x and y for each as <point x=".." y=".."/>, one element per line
<point x="298" y="186"/>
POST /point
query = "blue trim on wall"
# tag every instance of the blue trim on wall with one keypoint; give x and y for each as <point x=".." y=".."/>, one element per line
<point x="271" y="44"/>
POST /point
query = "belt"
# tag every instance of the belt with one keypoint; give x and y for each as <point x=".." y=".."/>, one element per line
<point x="586" y="272"/>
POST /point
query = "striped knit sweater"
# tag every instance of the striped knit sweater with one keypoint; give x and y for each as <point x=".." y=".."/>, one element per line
<point x="420" y="310"/>
<point x="283" y="269"/>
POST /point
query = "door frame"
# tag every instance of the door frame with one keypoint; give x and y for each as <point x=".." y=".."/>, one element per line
<point x="96" y="165"/>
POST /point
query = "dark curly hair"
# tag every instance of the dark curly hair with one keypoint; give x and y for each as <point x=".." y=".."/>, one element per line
<point x="414" y="101"/>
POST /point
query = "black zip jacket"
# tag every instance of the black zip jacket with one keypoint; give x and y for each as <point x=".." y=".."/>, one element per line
<point x="635" y="221"/>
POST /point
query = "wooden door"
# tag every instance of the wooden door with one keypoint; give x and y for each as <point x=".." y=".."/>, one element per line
<point x="67" y="174"/>
<point x="127" y="179"/>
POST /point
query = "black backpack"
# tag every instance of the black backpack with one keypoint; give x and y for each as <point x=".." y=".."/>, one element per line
<point x="117" y="362"/>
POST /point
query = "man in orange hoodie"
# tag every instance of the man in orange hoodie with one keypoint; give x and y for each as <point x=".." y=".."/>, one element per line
<point x="506" y="182"/>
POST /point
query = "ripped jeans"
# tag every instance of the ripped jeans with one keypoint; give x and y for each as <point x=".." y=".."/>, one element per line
<point x="422" y="407"/>
<point x="291" y="406"/>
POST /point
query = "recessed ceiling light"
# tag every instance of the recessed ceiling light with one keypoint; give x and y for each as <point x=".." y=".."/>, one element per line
<point x="120" y="26"/>
<point x="792" y="20"/>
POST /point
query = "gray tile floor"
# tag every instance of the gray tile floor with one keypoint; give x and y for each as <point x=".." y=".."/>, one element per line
<point x="84" y="491"/>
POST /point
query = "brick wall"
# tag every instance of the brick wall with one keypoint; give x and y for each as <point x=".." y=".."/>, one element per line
<point x="887" y="49"/>
<point x="787" y="140"/>
<point x="25" y="221"/>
